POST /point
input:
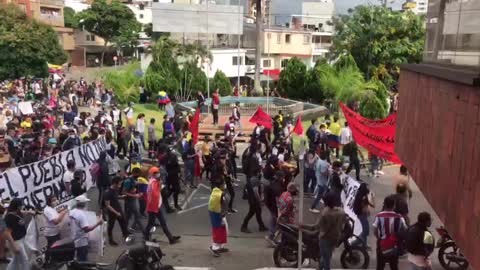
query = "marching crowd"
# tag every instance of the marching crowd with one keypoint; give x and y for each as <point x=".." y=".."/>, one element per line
<point x="269" y="163"/>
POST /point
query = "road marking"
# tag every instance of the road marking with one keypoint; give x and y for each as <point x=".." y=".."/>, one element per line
<point x="189" y="199"/>
<point x="193" y="208"/>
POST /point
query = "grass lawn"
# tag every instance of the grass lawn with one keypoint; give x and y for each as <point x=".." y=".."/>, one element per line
<point x="151" y="111"/>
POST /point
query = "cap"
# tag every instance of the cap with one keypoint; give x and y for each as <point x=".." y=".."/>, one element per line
<point x="5" y="203"/>
<point x="153" y="170"/>
<point x="82" y="199"/>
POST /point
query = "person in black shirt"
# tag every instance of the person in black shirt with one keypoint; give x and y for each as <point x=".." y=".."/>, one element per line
<point x="252" y="189"/>
<point x="114" y="210"/>
<point x="273" y="188"/>
<point x="16" y="231"/>
<point x="173" y="180"/>
<point x="351" y="150"/>
<point x="78" y="183"/>
<point x="401" y="205"/>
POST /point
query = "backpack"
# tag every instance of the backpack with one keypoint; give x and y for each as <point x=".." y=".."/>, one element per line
<point x="95" y="171"/>
<point x="311" y="134"/>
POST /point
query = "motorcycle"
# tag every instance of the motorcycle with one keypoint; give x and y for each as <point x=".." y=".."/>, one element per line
<point x="146" y="256"/>
<point x="285" y="253"/>
<point x="61" y="256"/>
<point x="449" y="254"/>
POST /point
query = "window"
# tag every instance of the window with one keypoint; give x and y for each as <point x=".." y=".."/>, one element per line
<point x="287" y="38"/>
<point x="235" y="61"/>
<point x="266" y="63"/>
<point x="284" y="63"/>
<point x="141" y="6"/>
<point x="306" y="39"/>
<point x="140" y="15"/>
<point x="90" y="37"/>
<point x="279" y="39"/>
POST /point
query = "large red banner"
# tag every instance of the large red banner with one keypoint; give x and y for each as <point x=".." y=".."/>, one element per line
<point x="377" y="136"/>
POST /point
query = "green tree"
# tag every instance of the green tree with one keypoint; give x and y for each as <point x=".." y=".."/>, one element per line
<point x="26" y="45"/>
<point x="193" y="79"/>
<point x="293" y="78"/>
<point x="108" y="20"/>
<point x="128" y="36"/>
<point x="70" y="17"/>
<point x="379" y="40"/>
<point x="221" y="82"/>
<point x="163" y="73"/>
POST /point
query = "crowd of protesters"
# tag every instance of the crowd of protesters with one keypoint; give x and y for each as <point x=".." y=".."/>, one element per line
<point x="269" y="163"/>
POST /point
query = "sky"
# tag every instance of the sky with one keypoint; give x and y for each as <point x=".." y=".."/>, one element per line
<point x="344" y="5"/>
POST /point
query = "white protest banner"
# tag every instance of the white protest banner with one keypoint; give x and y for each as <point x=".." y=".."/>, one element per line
<point x="350" y="189"/>
<point x="36" y="181"/>
<point x="95" y="237"/>
<point x="25" y="107"/>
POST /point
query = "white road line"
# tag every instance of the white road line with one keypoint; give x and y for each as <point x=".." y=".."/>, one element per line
<point x="187" y="201"/>
<point x="193" y="208"/>
<point x="204" y="186"/>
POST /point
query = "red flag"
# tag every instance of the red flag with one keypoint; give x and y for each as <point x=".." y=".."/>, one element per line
<point x="194" y="126"/>
<point x="262" y="118"/>
<point x="377" y="136"/>
<point x="298" y="129"/>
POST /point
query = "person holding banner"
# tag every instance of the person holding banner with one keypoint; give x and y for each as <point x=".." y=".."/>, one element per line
<point x="81" y="228"/>
<point x="53" y="218"/>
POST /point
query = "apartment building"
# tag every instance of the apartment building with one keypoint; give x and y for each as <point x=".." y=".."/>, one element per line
<point x="49" y="12"/>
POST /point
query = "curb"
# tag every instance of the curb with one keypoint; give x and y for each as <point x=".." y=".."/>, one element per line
<point x="193" y="268"/>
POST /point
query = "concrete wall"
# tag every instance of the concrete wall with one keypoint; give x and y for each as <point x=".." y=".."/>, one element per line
<point x="438" y="139"/>
<point x="223" y="60"/>
<point x="300" y="42"/>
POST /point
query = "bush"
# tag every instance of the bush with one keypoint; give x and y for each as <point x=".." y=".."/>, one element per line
<point x="221" y="82"/>
<point x="125" y="82"/>
<point x="293" y="78"/>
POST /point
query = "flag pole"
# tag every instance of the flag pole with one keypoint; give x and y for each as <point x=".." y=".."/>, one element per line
<point x="301" y="155"/>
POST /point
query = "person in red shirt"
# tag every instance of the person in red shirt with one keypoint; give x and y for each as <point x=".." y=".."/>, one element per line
<point x="215" y="106"/>
<point x="286" y="206"/>
<point x="155" y="206"/>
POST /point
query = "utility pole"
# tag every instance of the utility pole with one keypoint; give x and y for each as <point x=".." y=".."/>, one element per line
<point x="258" y="47"/>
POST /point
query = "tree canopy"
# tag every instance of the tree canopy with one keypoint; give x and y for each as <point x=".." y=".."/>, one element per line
<point x="70" y="17"/>
<point x="221" y="82"/>
<point x="293" y="78"/>
<point x="26" y="45"/>
<point x="379" y="40"/>
<point x="175" y="68"/>
<point x="114" y="22"/>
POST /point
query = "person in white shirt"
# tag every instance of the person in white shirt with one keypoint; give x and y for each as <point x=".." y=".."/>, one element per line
<point x="53" y="218"/>
<point x="129" y="113"/>
<point x="345" y="135"/>
<point x="68" y="176"/>
<point x="115" y="114"/>
<point x="81" y="228"/>
<point x="141" y="128"/>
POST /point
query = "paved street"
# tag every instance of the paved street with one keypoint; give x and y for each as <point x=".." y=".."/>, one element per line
<point x="248" y="251"/>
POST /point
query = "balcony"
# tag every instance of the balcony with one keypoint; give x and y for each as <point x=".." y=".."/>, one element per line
<point x="320" y="48"/>
<point x="51" y="20"/>
<point x="58" y="3"/>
